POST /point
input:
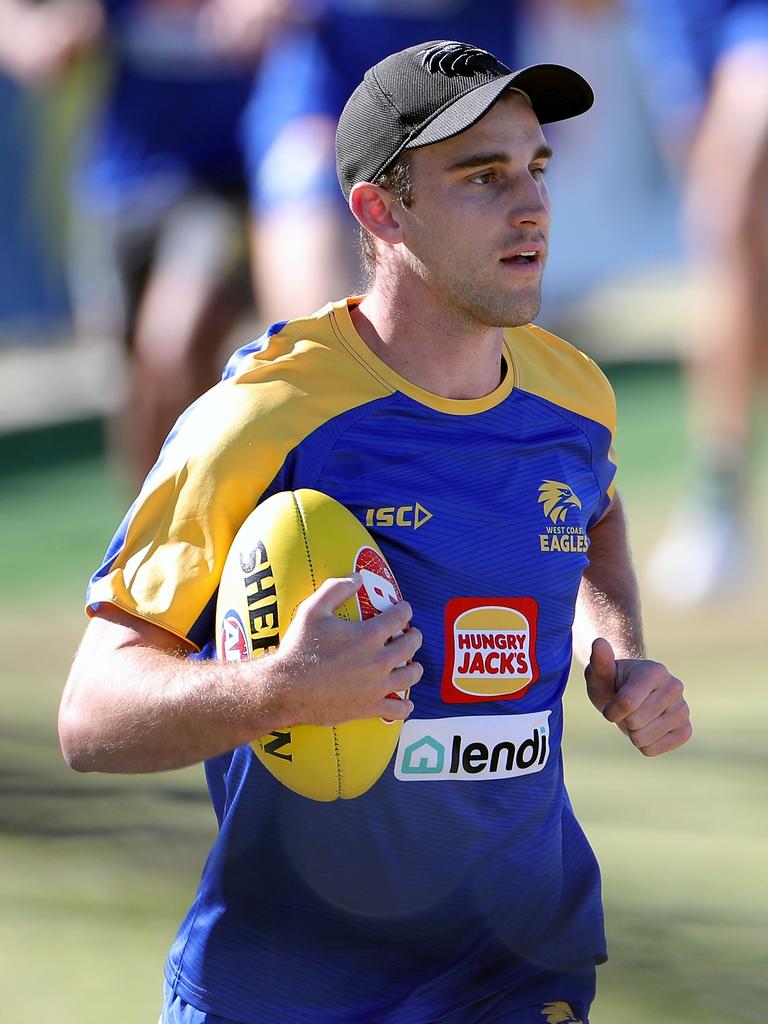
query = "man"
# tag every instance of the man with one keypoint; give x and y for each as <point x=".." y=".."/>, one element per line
<point x="157" y="252"/>
<point x="459" y="888"/>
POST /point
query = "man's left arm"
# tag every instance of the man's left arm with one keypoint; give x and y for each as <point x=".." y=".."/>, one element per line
<point x="638" y="695"/>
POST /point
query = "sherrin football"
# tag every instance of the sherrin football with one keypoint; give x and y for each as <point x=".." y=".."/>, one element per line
<point x="284" y="550"/>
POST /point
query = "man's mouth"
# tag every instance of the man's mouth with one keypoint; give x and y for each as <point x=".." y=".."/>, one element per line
<point x="530" y="257"/>
<point x="521" y="257"/>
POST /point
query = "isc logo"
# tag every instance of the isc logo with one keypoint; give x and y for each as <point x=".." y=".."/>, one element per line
<point x="412" y="516"/>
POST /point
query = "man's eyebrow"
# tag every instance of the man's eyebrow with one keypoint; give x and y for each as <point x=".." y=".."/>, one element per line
<point x="543" y="152"/>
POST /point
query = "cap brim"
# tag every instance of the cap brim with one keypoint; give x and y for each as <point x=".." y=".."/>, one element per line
<point x="556" y="93"/>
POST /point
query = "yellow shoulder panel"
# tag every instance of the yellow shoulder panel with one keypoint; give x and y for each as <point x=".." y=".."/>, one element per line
<point x="226" y="451"/>
<point x="552" y="368"/>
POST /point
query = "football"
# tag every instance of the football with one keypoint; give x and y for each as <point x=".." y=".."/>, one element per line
<point x="284" y="550"/>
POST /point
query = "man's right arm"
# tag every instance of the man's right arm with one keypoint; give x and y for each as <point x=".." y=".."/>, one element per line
<point x="134" y="702"/>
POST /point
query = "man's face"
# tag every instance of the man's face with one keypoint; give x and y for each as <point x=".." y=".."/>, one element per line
<point x="479" y="204"/>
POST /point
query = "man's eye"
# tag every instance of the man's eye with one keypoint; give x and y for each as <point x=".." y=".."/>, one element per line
<point x="486" y="178"/>
<point x="538" y="171"/>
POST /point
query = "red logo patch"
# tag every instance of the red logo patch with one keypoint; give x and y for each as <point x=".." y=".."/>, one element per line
<point x="490" y="649"/>
<point x="234" y="642"/>
<point x="379" y="589"/>
<point x="378" y="592"/>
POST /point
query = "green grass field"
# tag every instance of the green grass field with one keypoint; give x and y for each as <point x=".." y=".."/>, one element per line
<point x="95" y="872"/>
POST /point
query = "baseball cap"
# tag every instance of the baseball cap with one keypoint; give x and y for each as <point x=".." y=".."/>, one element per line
<point x="434" y="90"/>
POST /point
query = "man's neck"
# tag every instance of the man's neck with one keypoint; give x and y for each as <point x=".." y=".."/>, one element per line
<point x="439" y="350"/>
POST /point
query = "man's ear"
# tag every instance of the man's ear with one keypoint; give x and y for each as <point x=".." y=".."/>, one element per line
<point x="374" y="208"/>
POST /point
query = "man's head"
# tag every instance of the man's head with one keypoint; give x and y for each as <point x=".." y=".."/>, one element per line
<point x="413" y="149"/>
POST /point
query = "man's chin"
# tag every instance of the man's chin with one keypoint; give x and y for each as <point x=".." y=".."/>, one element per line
<point x="516" y="312"/>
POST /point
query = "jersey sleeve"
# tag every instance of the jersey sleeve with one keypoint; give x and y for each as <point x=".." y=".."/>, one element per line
<point x="166" y="559"/>
<point x="562" y="375"/>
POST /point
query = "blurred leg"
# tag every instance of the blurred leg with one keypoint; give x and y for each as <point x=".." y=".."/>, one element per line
<point x="187" y="309"/>
<point x="303" y="238"/>
<point x="726" y="224"/>
<point x="726" y="219"/>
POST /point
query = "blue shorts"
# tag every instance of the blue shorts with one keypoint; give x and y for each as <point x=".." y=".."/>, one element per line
<point x="558" y="1006"/>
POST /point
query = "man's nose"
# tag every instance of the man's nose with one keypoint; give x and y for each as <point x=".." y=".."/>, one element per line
<point x="529" y="203"/>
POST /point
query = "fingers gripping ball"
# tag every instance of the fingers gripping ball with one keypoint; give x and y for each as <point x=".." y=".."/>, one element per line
<point x="281" y="555"/>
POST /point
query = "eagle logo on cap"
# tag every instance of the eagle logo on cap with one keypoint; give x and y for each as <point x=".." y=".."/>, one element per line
<point x="451" y="59"/>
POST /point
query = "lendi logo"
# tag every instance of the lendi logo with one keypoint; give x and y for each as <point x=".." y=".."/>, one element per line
<point x="410" y="516"/>
<point x="261" y="596"/>
<point x="474" y="748"/>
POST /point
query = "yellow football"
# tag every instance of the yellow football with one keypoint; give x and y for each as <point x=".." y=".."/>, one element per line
<point x="284" y="550"/>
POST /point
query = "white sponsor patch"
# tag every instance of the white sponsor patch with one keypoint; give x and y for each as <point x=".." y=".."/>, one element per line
<point x="472" y="748"/>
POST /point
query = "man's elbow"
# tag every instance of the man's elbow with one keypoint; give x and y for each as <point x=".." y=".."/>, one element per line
<point x="78" y="724"/>
<point x="76" y="745"/>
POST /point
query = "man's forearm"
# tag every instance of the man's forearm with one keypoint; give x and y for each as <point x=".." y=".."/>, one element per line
<point x="135" y="703"/>
<point x="152" y="711"/>
<point x="609" y="603"/>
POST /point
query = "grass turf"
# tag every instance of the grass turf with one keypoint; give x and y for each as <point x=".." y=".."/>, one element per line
<point x="96" y="871"/>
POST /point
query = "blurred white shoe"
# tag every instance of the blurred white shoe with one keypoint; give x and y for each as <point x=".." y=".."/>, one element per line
<point x="702" y="556"/>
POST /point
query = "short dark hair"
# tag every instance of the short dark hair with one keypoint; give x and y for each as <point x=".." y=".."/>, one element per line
<point x="397" y="180"/>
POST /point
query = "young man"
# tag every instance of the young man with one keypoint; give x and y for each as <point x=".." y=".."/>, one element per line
<point x="460" y="888"/>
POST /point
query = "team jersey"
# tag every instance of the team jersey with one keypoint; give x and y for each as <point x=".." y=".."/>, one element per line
<point x="462" y="871"/>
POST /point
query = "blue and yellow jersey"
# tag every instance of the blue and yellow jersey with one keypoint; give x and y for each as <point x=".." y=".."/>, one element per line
<point x="463" y="871"/>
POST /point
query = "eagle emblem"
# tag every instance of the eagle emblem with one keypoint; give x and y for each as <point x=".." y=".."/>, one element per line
<point x="556" y="499"/>
<point x="559" y="1013"/>
<point x="451" y="59"/>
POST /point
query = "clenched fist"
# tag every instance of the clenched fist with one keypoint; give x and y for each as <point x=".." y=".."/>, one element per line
<point x="640" y="697"/>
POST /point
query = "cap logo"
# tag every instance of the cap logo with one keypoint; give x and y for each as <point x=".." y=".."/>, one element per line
<point x="453" y="59"/>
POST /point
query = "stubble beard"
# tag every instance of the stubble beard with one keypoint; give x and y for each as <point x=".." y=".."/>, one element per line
<point x="493" y="307"/>
<point x="474" y="300"/>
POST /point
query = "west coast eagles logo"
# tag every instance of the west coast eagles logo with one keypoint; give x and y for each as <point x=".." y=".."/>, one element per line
<point x="451" y="59"/>
<point x="559" y="1013"/>
<point x="557" y="500"/>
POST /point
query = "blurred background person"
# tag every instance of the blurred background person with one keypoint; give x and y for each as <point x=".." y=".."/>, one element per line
<point x="706" y="74"/>
<point x="157" y="243"/>
<point x="302" y="233"/>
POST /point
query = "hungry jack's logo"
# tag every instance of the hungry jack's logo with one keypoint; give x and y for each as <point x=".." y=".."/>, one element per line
<point x="490" y="649"/>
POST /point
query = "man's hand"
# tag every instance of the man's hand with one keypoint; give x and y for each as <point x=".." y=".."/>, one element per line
<point x="332" y="670"/>
<point x="640" y="697"/>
